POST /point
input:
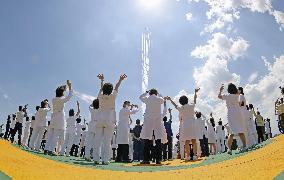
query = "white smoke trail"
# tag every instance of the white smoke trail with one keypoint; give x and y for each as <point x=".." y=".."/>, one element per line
<point x="85" y="97"/>
<point x="146" y="44"/>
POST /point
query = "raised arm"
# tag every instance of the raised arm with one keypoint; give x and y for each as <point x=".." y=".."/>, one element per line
<point x="195" y="95"/>
<point x="134" y="110"/>
<point x="121" y="78"/>
<point x="165" y="110"/>
<point x="143" y="97"/>
<point x="68" y="97"/>
<point x="171" y="116"/>
<point x="220" y="96"/>
<point x="102" y="78"/>
<point x="173" y="103"/>
<point x="78" y="109"/>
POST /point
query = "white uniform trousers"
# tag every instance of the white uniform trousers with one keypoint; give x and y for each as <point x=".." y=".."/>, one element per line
<point x="36" y="137"/>
<point x="90" y="144"/>
<point x="103" y="143"/>
<point x="68" y="142"/>
<point x="54" y="136"/>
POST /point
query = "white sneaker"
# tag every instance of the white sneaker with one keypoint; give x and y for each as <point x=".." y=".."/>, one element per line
<point x="194" y="158"/>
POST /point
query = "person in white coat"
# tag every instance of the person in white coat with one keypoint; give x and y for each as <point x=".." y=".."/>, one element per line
<point x="58" y="123"/>
<point x="187" y="128"/>
<point x="78" y="135"/>
<point x="90" y="137"/>
<point x="70" y="131"/>
<point x="252" y="133"/>
<point x="104" y="126"/>
<point x="212" y="138"/>
<point x="123" y="130"/>
<point x="153" y="125"/>
<point x="235" y="120"/>
<point x="26" y="132"/>
<point x="220" y="133"/>
<point x="40" y="125"/>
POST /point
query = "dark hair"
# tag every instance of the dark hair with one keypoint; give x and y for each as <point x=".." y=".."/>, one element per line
<point x="241" y="89"/>
<point x="48" y="123"/>
<point x="27" y="118"/>
<point x="281" y="100"/>
<point x="14" y="116"/>
<point x="107" y="88"/>
<point x="220" y="122"/>
<point x="42" y="104"/>
<point x="212" y="122"/>
<point x="20" y="108"/>
<point x="165" y="118"/>
<point x="137" y="121"/>
<point x="126" y="102"/>
<point x="83" y="129"/>
<point x="96" y="104"/>
<point x="153" y="91"/>
<point x="282" y="90"/>
<point x="37" y="108"/>
<point x="60" y="91"/>
<point x="71" y="112"/>
<point x="183" y="100"/>
<point x="78" y="120"/>
<point x="247" y="107"/>
<point x="250" y="106"/>
<point x="198" y="115"/>
<point x="268" y="120"/>
<point x="232" y="89"/>
<point x="33" y="117"/>
<point x="9" y="117"/>
<point x="258" y="112"/>
<point x="242" y="103"/>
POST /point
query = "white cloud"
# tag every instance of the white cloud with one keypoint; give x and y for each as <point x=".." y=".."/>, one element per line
<point x="279" y="17"/>
<point x="220" y="46"/>
<point x="253" y="77"/>
<point x="188" y="16"/>
<point x="264" y="92"/>
<point x="222" y="12"/>
<point x="85" y="97"/>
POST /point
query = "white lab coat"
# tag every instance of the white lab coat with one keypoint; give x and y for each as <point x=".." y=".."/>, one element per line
<point x="123" y="127"/>
<point x="58" y="116"/>
<point x="152" y="117"/>
<point x="41" y="117"/>
<point x="26" y="133"/>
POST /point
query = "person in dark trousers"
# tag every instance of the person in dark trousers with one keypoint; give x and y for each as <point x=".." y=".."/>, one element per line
<point x="260" y="128"/>
<point x="168" y="147"/>
<point x="137" y="142"/>
<point x="20" y="115"/>
<point x="7" y="132"/>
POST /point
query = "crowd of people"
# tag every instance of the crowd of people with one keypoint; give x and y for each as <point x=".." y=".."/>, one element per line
<point x="103" y="138"/>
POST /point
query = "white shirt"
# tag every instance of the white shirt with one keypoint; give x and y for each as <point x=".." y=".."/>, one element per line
<point x="41" y="116"/>
<point x="200" y="128"/>
<point x="186" y="111"/>
<point x="71" y="124"/>
<point x="153" y="104"/>
<point x="243" y="99"/>
<point x="58" y="102"/>
<point x="107" y="102"/>
<point x="232" y="100"/>
<point x="13" y="123"/>
<point x="220" y="132"/>
<point x="20" y="115"/>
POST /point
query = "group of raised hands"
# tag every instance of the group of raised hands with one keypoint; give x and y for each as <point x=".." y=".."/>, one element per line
<point x="121" y="78"/>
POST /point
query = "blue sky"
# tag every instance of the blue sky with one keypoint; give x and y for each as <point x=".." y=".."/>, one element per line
<point x="44" y="43"/>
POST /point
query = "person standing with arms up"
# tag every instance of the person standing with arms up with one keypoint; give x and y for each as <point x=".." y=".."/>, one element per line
<point x="107" y="119"/>
<point x="57" y="125"/>
<point x="235" y="118"/>
<point x="152" y="126"/>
